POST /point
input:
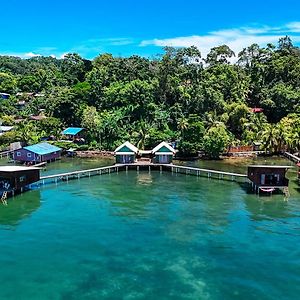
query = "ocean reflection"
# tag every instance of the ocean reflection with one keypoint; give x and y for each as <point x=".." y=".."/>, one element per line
<point x="19" y="207"/>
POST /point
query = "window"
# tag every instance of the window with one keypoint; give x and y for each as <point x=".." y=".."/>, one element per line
<point x="22" y="178"/>
<point x="18" y="153"/>
<point x="28" y="154"/>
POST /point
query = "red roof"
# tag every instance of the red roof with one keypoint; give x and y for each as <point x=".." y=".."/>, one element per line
<point x="257" y="109"/>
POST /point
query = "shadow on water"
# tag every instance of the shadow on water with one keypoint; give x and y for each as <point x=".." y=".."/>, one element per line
<point x="19" y="207"/>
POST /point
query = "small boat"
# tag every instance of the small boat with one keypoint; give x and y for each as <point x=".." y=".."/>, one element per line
<point x="71" y="152"/>
<point x="267" y="190"/>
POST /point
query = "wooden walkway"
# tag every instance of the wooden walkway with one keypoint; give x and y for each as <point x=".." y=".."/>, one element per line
<point x="292" y="157"/>
<point x="142" y="166"/>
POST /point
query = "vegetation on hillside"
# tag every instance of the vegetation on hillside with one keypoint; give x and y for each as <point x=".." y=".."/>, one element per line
<point x="202" y="103"/>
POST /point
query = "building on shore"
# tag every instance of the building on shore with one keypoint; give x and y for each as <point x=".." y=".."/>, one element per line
<point x="4" y="96"/>
<point x="163" y="153"/>
<point x="268" y="178"/>
<point x="17" y="178"/>
<point x="42" y="152"/>
<point x="126" y="153"/>
<point x="73" y="133"/>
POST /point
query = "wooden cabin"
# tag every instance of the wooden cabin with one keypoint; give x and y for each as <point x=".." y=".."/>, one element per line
<point x="42" y="152"/>
<point x="16" y="178"/>
<point x="268" y="178"/>
<point x="126" y="153"/>
<point x="73" y="133"/>
<point x="163" y="153"/>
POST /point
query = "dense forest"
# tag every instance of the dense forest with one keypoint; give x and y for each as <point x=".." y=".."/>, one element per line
<point x="202" y="103"/>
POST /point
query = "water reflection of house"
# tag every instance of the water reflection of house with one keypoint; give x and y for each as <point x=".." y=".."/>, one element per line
<point x="267" y="178"/>
<point x="37" y="153"/>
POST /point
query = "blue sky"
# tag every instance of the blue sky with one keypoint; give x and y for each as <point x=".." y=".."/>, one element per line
<point x="142" y="27"/>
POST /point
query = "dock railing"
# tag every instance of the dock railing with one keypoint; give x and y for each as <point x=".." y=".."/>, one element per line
<point x="148" y="166"/>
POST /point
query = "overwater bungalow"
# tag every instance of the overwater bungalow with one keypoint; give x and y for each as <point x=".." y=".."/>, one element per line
<point x="126" y="153"/>
<point x="17" y="178"/>
<point x="163" y="153"/>
<point x="268" y="178"/>
<point x="73" y="133"/>
<point x="42" y="152"/>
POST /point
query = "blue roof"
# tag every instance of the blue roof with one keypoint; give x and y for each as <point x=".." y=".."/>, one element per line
<point x="42" y="148"/>
<point x="72" y="130"/>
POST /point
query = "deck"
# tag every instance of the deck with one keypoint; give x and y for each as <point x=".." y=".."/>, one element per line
<point x="146" y="166"/>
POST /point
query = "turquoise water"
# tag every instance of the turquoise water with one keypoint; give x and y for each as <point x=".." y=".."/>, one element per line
<point x="149" y="236"/>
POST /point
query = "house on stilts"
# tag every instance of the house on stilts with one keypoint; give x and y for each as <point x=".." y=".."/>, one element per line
<point x="126" y="153"/>
<point x="268" y="178"/>
<point x="163" y="153"/>
<point x="42" y="152"/>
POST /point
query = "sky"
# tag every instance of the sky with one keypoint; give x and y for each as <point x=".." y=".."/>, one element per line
<point x="141" y="27"/>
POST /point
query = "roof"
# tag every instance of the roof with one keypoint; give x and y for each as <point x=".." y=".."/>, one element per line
<point x="145" y="151"/>
<point x="16" y="168"/>
<point x="42" y="148"/>
<point x="72" y="130"/>
<point x="269" y="166"/>
<point x="256" y="109"/>
<point x="6" y="128"/>
<point x="163" y="144"/>
<point x="128" y="145"/>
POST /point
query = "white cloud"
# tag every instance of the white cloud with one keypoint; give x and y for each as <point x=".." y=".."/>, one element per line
<point x="235" y="38"/>
<point x="30" y="54"/>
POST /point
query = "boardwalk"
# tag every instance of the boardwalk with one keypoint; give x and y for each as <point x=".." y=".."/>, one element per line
<point x="142" y="166"/>
<point x="292" y="157"/>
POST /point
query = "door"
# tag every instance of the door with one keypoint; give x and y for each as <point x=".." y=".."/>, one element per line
<point x="163" y="159"/>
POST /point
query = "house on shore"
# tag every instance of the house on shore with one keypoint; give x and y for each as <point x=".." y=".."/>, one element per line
<point x="73" y="133"/>
<point x="17" y="178"/>
<point x="163" y="153"/>
<point x="268" y="178"/>
<point x="126" y="153"/>
<point x="42" y="152"/>
<point x="4" y="129"/>
<point x="4" y="96"/>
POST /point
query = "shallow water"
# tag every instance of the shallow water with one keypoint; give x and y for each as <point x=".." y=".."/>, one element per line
<point x="149" y="236"/>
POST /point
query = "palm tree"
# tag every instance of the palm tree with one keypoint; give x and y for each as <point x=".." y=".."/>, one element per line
<point x="270" y="138"/>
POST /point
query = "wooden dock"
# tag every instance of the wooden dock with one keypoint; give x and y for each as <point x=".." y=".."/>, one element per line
<point x="145" y="167"/>
<point x="292" y="157"/>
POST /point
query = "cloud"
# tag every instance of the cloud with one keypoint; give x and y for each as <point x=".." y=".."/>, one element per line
<point x="235" y="38"/>
<point x="30" y="55"/>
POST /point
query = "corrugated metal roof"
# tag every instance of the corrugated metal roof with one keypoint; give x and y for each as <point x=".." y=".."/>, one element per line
<point x="72" y="130"/>
<point x="16" y="168"/>
<point x="42" y="148"/>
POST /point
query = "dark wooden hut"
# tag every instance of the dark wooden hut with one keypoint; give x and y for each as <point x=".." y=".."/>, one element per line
<point x="267" y="178"/>
<point x="16" y="178"/>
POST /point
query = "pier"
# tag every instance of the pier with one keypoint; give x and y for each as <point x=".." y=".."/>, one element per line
<point x="292" y="157"/>
<point x="145" y="167"/>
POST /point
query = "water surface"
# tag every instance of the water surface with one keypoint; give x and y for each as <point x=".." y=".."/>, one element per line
<point x="149" y="236"/>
